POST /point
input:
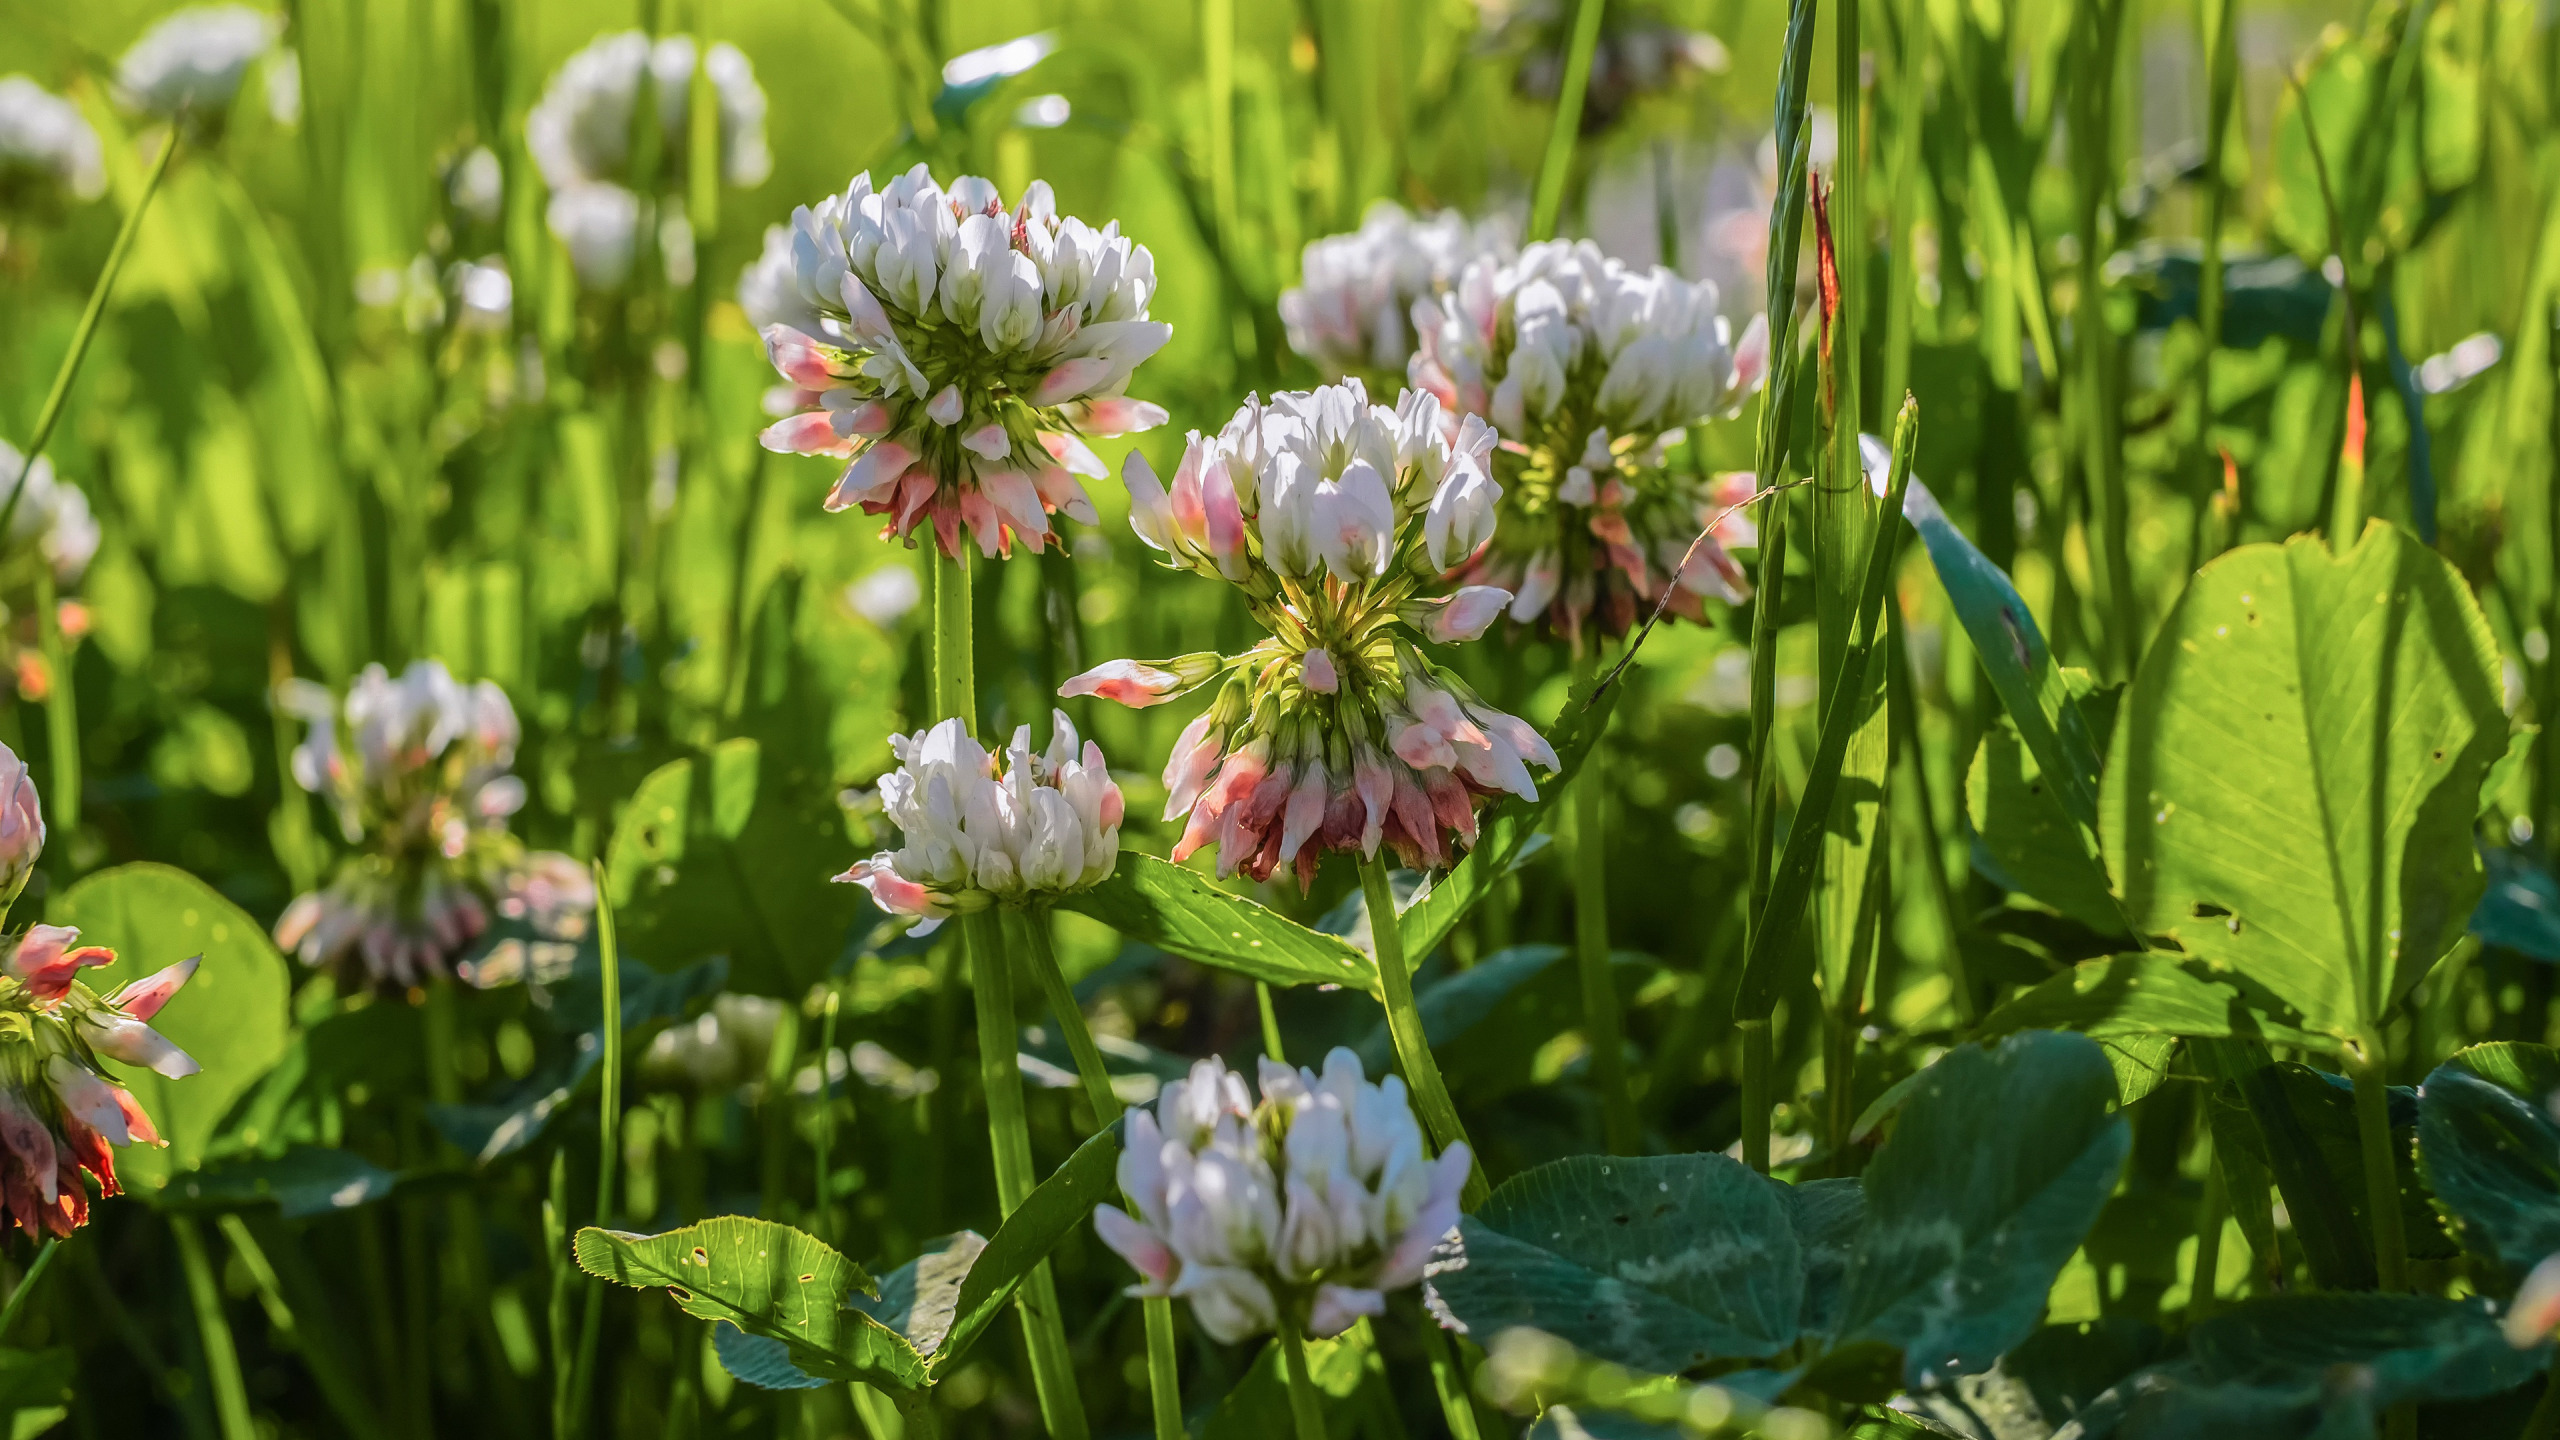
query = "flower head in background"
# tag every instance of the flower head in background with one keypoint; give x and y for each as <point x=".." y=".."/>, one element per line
<point x="1637" y="53"/>
<point x="418" y="773"/>
<point x="1336" y="518"/>
<point x="192" y="62"/>
<point x="580" y="136"/>
<point x="1349" y="312"/>
<point x="964" y="353"/>
<point x="1588" y="368"/>
<point x="52" y="532"/>
<point x="727" y="1046"/>
<point x="1303" y="1210"/>
<point x="984" y="829"/>
<point x="60" y="1111"/>
<point x="49" y="154"/>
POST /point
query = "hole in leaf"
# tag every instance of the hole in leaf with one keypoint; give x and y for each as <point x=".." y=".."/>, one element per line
<point x="2207" y="910"/>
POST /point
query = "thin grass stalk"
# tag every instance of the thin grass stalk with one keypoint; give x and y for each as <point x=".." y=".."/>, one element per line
<point x="61" y="707"/>
<point x="2219" y="20"/>
<point x="1600" y="1019"/>
<point x="339" y="1386"/>
<point x="825" y="1213"/>
<point x="581" y="1388"/>
<point x="1164" y="1375"/>
<point x="56" y="397"/>
<point x="2099" y="407"/>
<point x="1306" y="1411"/>
<point x="1773" y="940"/>
<point x="1404" y="1026"/>
<point x="1000" y="1073"/>
<point x="1794" y="141"/>
<point x="1557" y="163"/>
<point x="1902" y="274"/>
<point x="213" y="1328"/>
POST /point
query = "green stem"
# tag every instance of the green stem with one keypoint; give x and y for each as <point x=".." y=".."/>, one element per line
<point x="1305" y="1410"/>
<point x="339" y="1386"/>
<point x="1164" y="1375"/>
<point x="61" y="709"/>
<point x="2210" y="1215"/>
<point x="2544" y="1423"/>
<point x="609" y="1126"/>
<point x="955" y="688"/>
<point x="1270" y="1022"/>
<point x="915" y="1407"/>
<point x="1000" y="1073"/>
<point x="2381" y="1176"/>
<point x="1404" y="1025"/>
<point x="1448" y="1381"/>
<point x="1755" y="1092"/>
<point x="26" y="1287"/>
<point x="1600" y="1020"/>
<point x="221" y="1355"/>
<point x="1568" y="120"/>
<point x="51" y="415"/>
<point x="825" y="1145"/>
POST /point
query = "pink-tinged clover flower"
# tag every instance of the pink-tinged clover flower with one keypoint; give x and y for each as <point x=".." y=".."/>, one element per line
<point x="957" y="355"/>
<point x="418" y="772"/>
<point x="986" y="829"/>
<point x="1336" y="518"/>
<point x="1349" y="312"/>
<point x="1305" y="1209"/>
<point x="61" y="1110"/>
<point x="1588" y="369"/>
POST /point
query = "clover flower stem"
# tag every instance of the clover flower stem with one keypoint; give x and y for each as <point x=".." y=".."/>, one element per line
<point x="1404" y="1024"/>
<point x="2381" y="1174"/>
<point x="1164" y="1374"/>
<point x="1270" y="1022"/>
<point x="61" y="710"/>
<point x="2210" y="1216"/>
<point x="1600" y="1021"/>
<point x="955" y="688"/>
<point x="26" y="1287"/>
<point x="1305" y="1410"/>
<point x="2544" y="1422"/>
<point x="1755" y="1092"/>
<point x="1448" y="1381"/>
<point x="221" y="1353"/>
<point x="1043" y="1328"/>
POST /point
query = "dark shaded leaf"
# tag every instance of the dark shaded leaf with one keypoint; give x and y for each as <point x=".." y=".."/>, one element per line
<point x="1999" y="1164"/>
<point x="2491" y="1150"/>
<point x="1181" y="911"/>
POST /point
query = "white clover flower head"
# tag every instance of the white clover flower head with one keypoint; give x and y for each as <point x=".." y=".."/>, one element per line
<point x="962" y="355"/>
<point x="986" y="829"/>
<point x="48" y="151"/>
<point x="1349" y="311"/>
<point x="1337" y="518"/>
<point x="1305" y="1209"/>
<point x="1588" y="368"/>
<point x="580" y="130"/>
<point x="419" y="772"/>
<point x="599" y="224"/>
<point x="476" y="184"/>
<point x="192" y="61"/>
<point x="52" y="520"/>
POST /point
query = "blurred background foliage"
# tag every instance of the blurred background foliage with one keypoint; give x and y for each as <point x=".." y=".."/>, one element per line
<point x="309" y="450"/>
